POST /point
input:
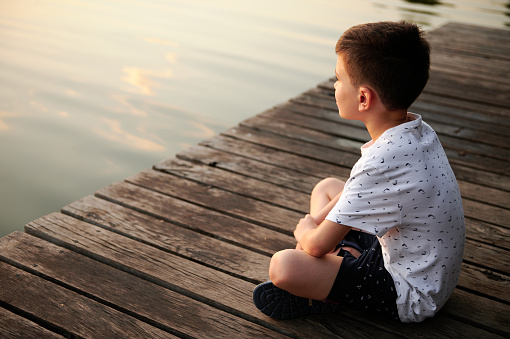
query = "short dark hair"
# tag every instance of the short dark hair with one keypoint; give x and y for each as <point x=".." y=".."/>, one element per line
<point x="391" y="57"/>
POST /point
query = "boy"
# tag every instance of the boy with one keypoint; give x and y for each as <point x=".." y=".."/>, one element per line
<point x="391" y="238"/>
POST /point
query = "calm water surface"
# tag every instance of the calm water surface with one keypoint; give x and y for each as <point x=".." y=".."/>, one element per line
<point x="94" y="91"/>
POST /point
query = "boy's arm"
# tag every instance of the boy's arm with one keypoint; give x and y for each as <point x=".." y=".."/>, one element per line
<point x="319" y="240"/>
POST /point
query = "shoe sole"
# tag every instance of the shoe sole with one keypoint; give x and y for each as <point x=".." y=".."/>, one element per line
<point x="280" y="304"/>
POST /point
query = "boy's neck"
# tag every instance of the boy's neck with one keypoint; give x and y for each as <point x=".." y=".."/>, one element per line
<point x="380" y="122"/>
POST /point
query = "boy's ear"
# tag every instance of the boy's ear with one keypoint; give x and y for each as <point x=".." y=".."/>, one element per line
<point x="366" y="97"/>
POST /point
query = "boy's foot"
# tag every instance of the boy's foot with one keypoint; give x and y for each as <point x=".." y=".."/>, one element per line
<point x="280" y="304"/>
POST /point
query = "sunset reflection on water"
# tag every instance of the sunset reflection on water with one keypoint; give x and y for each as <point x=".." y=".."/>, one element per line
<point x="94" y="91"/>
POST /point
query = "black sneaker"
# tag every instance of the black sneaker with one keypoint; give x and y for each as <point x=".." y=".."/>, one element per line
<point x="280" y="304"/>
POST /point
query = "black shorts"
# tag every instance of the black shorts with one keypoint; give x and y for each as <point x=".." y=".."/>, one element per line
<point x="363" y="283"/>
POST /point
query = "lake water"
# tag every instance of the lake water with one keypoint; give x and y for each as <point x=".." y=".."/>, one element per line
<point x="93" y="91"/>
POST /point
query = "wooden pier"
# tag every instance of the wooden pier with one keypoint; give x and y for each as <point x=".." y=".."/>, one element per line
<point x="176" y="250"/>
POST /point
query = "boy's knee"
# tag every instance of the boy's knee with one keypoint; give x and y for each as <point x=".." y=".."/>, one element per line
<point x="329" y="184"/>
<point x="280" y="268"/>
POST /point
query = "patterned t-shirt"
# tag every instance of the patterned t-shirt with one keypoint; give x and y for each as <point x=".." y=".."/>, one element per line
<point x="403" y="190"/>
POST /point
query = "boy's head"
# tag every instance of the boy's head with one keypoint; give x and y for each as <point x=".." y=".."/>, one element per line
<point x="391" y="57"/>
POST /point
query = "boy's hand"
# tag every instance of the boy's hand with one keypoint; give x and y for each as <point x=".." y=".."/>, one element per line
<point x="305" y="224"/>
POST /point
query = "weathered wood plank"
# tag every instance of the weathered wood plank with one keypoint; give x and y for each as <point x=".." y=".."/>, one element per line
<point x="471" y="66"/>
<point x="65" y="311"/>
<point x="199" y="282"/>
<point x="483" y="255"/>
<point x="16" y="326"/>
<point x="246" y="164"/>
<point x="492" y="214"/>
<point x="200" y="219"/>
<point x="458" y="45"/>
<point x="166" y="309"/>
<point x="219" y="200"/>
<point x="314" y="168"/>
<point x="239" y="184"/>
<point x="488" y="34"/>
<point x="471" y="308"/>
<point x="456" y="87"/>
<point x="486" y="282"/>
<point x="168" y="237"/>
<point x="474" y="111"/>
<point x="293" y="146"/>
<point x="488" y="233"/>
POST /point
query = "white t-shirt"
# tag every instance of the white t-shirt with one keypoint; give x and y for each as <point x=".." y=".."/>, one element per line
<point x="403" y="190"/>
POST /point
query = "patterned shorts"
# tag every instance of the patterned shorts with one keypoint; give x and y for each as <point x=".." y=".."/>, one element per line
<point x="363" y="283"/>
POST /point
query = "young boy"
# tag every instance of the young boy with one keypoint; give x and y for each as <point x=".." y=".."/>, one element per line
<point x="391" y="238"/>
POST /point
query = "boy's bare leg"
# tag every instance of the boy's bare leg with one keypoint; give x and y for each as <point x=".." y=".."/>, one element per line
<point x="323" y="198"/>
<point x="300" y="273"/>
<point x="303" y="275"/>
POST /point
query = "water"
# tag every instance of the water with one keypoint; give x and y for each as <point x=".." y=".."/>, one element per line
<point x="93" y="91"/>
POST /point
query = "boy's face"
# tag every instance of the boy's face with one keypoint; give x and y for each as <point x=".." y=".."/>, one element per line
<point x="345" y="93"/>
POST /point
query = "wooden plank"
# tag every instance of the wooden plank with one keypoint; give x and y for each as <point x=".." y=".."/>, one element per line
<point x="492" y="214"/>
<point x="474" y="111"/>
<point x="244" y="208"/>
<point x="488" y="233"/>
<point x="486" y="313"/>
<point x="475" y="67"/>
<point x="65" y="311"/>
<point x="239" y="184"/>
<point x="246" y="164"/>
<point x="485" y="282"/>
<point x="473" y="183"/>
<point x="314" y="168"/>
<point x="293" y="146"/>
<point x="15" y="326"/>
<point x="171" y="238"/>
<point x="164" y="308"/>
<point x="458" y="44"/>
<point x="457" y="87"/>
<point x="483" y="255"/>
<point x="200" y="219"/>
<point x="452" y="29"/>
<point x="483" y="41"/>
<point x="188" y="278"/>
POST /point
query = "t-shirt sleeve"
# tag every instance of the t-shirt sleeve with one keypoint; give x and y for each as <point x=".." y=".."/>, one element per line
<point x="369" y="202"/>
